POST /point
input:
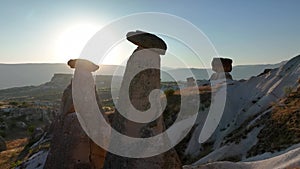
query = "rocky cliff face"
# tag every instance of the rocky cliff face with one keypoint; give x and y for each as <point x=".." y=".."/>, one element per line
<point x="278" y="140"/>
<point x="59" y="81"/>
<point x="253" y="127"/>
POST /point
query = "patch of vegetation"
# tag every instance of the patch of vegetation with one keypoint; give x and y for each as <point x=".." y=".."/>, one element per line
<point x="13" y="124"/>
<point x="29" y="150"/>
<point x="108" y="104"/>
<point x="169" y="92"/>
<point x="282" y="127"/>
<point x="235" y="158"/>
<point x="3" y="133"/>
<point x="8" y="158"/>
<point x="24" y="105"/>
<point x="170" y="115"/>
<point x="16" y="164"/>
<point x="254" y="101"/>
<point x="14" y="103"/>
<point x="287" y="90"/>
<point x="31" y="129"/>
<point x="19" y="118"/>
<point x="241" y="133"/>
<point x="206" y="149"/>
<point x="182" y="145"/>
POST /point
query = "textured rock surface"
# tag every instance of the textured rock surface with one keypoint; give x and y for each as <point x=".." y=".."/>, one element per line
<point x="139" y="89"/>
<point x="70" y="146"/>
<point x="290" y="159"/>
<point x="249" y="105"/>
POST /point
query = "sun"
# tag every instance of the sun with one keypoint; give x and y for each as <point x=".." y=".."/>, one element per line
<point x="72" y="40"/>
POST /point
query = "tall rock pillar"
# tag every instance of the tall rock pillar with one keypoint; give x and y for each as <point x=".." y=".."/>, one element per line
<point x="70" y="146"/>
<point x="142" y="75"/>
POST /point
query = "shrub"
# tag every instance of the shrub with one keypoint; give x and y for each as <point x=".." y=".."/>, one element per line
<point x="2" y="133"/>
<point x="16" y="164"/>
<point x="31" y="128"/>
<point x="235" y="158"/>
<point x="169" y="92"/>
<point x="13" y="124"/>
<point x="287" y="90"/>
<point x="13" y="103"/>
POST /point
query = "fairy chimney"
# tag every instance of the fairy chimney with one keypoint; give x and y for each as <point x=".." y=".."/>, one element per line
<point x="70" y="146"/>
<point x="142" y="75"/>
<point x="222" y="68"/>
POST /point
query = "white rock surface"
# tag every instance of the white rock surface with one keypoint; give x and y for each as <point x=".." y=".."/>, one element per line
<point x="287" y="160"/>
<point x="244" y="100"/>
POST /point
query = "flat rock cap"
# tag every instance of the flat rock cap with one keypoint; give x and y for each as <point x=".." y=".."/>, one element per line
<point x="221" y="64"/>
<point x="147" y="40"/>
<point x="85" y="64"/>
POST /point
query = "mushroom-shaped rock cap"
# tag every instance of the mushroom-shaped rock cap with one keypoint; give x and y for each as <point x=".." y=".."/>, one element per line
<point x="85" y="64"/>
<point x="221" y="64"/>
<point x="148" y="41"/>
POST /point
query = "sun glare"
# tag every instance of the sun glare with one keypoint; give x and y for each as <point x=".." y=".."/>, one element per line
<point x="73" y="39"/>
<point x="119" y="54"/>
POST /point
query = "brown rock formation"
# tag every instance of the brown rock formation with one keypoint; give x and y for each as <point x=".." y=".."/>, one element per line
<point x="222" y="67"/>
<point x="139" y="89"/>
<point x="147" y="41"/>
<point x="89" y="66"/>
<point x="70" y="146"/>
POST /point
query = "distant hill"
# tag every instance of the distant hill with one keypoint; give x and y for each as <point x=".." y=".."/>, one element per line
<point x="246" y="71"/>
<point x="53" y="89"/>
<point x="17" y="75"/>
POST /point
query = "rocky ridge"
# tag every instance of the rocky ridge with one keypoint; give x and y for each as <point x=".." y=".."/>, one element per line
<point x="253" y="124"/>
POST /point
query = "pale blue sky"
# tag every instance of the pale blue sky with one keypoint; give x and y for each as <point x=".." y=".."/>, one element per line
<point x="249" y="32"/>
